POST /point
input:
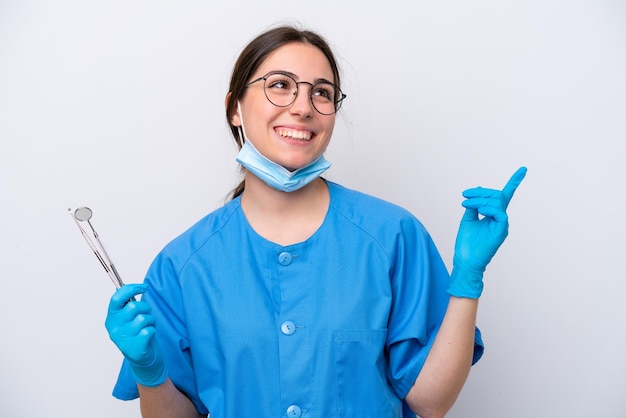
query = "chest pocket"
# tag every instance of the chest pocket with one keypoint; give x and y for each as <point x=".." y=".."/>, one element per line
<point x="361" y="365"/>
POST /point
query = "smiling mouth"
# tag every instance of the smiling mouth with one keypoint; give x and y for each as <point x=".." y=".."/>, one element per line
<point x="294" y="134"/>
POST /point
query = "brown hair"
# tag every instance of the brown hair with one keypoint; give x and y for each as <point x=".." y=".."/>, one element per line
<point x="253" y="56"/>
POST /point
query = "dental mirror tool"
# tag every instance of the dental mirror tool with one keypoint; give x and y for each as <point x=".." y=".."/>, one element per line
<point x="84" y="214"/>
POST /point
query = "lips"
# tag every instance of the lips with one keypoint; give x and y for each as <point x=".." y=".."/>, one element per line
<point x="294" y="134"/>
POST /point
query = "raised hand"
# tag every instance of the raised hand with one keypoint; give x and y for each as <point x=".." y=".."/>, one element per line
<point x="484" y="227"/>
<point x="131" y="327"/>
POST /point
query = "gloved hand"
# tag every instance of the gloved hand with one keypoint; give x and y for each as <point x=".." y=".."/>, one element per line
<point x="131" y="327"/>
<point x="484" y="226"/>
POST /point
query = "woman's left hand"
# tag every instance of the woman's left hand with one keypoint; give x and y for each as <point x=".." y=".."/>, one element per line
<point x="484" y="227"/>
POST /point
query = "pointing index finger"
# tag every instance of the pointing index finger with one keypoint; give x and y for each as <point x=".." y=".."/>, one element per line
<point x="513" y="183"/>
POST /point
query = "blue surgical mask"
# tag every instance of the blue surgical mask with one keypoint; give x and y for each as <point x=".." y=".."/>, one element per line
<point x="275" y="175"/>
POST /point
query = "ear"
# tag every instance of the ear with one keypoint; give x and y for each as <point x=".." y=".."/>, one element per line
<point x="235" y="120"/>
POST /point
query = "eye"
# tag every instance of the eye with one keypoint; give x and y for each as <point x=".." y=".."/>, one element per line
<point x="280" y="83"/>
<point x="323" y="91"/>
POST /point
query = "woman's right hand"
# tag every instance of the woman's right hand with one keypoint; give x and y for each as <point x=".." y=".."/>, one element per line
<point x="132" y="328"/>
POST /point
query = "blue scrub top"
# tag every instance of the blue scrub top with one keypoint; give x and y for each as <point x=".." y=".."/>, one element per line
<point x="336" y="326"/>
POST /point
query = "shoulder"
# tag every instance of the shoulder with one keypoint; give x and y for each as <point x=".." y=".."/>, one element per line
<point x="186" y="252"/>
<point x="199" y="234"/>
<point x="370" y="219"/>
<point x="365" y="209"/>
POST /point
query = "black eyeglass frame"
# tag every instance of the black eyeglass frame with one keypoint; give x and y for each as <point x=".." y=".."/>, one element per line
<point x="337" y="103"/>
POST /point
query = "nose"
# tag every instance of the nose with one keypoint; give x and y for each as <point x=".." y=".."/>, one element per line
<point x="302" y="105"/>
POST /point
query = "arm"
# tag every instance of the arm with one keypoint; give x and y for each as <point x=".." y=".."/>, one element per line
<point x="484" y="227"/>
<point x="165" y="401"/>
<point x="131" y="326"/>
<point x="448" y="364"/>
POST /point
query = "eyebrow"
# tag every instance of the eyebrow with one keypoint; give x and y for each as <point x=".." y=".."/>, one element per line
<point x="295" y="76"/>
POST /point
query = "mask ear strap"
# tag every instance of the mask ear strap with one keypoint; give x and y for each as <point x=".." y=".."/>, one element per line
<point x="242" y="130"/>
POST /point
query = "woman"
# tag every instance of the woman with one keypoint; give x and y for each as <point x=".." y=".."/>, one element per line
<point x="300" y="297"/>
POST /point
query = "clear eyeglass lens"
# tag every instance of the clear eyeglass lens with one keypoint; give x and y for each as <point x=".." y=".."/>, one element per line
<point x="281" y="90"/>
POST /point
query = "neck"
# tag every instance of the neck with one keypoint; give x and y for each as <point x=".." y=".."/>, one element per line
<point x="284" y="217"/>
<point x="259" y="195"/>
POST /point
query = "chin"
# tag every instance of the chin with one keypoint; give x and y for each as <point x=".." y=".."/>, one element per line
<point x="293" y="164"/>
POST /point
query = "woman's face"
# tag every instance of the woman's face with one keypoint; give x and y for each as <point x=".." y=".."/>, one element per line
<point x="295" y="135"/>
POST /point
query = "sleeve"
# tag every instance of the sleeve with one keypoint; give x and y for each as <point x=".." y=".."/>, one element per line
<point x="165" y="297"/>
<point x="419" y="281"/>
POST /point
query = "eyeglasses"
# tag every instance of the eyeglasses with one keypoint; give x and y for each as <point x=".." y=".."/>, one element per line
<point x="281" y="89"/>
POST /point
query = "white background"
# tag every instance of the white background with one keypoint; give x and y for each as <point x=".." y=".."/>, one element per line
<point x="118" y="105"/>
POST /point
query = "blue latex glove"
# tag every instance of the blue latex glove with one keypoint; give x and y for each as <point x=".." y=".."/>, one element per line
<point x="484" y="227"/>
<point x="131" y="327"/>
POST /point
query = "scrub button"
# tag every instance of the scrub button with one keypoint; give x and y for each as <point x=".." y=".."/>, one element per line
<point x="285" y="258"/>
<point x="288" y="328"/>
<point x="294" y="411"/>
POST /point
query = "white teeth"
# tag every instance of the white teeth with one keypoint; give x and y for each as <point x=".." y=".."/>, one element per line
<point x="289" y="133"/>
